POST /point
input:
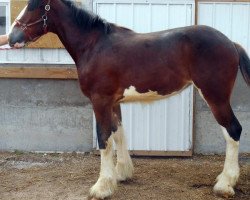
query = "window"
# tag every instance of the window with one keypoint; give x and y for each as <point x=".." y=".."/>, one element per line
<point x="4" y="16"/>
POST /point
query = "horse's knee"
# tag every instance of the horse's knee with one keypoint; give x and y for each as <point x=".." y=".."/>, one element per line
<point x="102" y="136"/>
<point x="104" y="131"/>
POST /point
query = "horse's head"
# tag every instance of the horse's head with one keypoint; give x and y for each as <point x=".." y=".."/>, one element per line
<point x="31" y="23"/>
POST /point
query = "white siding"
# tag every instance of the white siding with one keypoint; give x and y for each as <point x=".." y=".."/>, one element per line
<point x="146" y="16"/>
<point x="231" y="18"/>
<point x="164" y="125"/>
<point x="161" y="126"/>
<point x="35" y="56"/>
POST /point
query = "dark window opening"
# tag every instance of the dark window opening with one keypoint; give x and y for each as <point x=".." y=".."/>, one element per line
<point x="2" y="20"/>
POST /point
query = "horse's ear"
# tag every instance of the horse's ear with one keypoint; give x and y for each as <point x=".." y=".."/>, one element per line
<point x="33" y="4"/>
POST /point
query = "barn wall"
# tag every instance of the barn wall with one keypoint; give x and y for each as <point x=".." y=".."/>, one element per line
<point x="28" y="104"/>
<point x="43" y="115"/>
<point x="232" y="19"/>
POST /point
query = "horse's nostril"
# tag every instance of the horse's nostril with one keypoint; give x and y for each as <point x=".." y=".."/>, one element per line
<point x="16" y="36"/>
<point x="11" y="45"/>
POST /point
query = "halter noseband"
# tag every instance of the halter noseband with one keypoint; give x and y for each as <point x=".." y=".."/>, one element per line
<point x="43" y="19"/>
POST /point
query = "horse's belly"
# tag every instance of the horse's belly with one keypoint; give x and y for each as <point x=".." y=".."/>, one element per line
<point x="131" y="95"/>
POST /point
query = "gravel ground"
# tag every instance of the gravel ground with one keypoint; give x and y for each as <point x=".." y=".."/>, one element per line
<point x="27" y="176"/>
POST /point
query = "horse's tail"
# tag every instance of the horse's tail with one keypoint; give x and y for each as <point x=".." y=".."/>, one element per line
<point x="244" y="63"/>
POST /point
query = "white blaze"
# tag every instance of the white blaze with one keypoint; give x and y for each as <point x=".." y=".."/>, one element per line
<point x="18" y="18"/>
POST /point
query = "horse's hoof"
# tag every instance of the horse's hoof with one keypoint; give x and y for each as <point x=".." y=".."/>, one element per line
<point x="124" y="171"/>
<point x="228" y="179"/>
<point x="224" y="190"/>
<point x="103" y="188"/>
<point x="92" y="198"/>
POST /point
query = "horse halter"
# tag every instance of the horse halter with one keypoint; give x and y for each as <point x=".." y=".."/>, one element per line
<point x="44" y="18"/>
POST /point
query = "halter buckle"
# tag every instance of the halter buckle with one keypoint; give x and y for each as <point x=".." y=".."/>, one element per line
<point x="47" y="7"/>
<point x="24" y="27"/>
<point x="44" y="17"/>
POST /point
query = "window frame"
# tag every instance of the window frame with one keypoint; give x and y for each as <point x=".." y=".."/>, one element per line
<point x="6" y="3"/>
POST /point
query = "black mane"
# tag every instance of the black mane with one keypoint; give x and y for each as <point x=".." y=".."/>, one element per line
<point x="83" y="19"/>
<point x="33" y="4"/>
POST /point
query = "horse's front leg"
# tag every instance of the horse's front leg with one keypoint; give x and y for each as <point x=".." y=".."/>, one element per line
<point x="107" y="181"/>
<point x="124" y="166"/>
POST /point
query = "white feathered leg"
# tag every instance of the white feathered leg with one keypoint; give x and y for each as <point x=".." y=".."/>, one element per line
<point x="107" y="181"/>
<point x="124" y="166"/>
<point x="230" y="174"/>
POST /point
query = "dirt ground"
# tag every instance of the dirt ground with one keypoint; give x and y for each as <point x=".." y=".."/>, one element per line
<point x="26" y="176"/>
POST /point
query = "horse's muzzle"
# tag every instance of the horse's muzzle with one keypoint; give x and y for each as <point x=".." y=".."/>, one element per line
<point x="16" y="36"/>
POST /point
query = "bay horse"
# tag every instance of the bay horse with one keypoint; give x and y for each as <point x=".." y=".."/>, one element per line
<point x="116" y="65"/>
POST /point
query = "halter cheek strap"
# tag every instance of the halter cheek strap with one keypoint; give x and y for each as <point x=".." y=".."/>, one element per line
<point x="44" y="19"/>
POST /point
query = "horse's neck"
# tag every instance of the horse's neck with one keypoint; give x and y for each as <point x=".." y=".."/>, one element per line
<point x="76" y="41"/>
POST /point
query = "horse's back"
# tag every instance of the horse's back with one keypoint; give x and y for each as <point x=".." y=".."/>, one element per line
<point x="164" y="61"/>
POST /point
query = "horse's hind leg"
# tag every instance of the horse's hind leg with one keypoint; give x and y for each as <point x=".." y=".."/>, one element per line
<point x="232" y="130"/>
<point x="124" y="166"/>
<point x="220" y="106"/>
<point x="230" y="174"/>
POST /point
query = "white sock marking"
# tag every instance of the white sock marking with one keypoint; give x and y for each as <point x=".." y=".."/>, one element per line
<point x="230" y="174"/>
<point x="107" y="164"/>
<point x="231" y="166"/>
<point x="106" y="183"/>
<point x="124" y="165"/>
